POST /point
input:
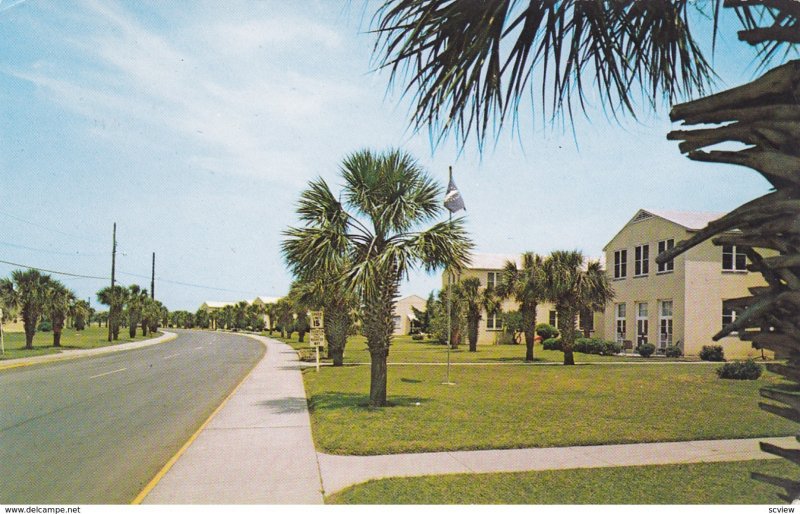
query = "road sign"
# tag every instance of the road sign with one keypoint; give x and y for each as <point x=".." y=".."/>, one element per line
<point x="316" y="320"/>
<point x="317" y="337"/>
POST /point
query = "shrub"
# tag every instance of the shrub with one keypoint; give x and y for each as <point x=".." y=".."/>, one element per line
<point x="45" y="326"/>
<point x="646" y="349"/>
<point x="504" y="338"/>
<point x="552" y="344"/>
<point x="596" y="346"/>
<point x="673" y="351"/>
<point x="546" y="331"/>
<point x="417" y="337"/>
<point x="740" y="370"/>
<point x="713" y="353"/>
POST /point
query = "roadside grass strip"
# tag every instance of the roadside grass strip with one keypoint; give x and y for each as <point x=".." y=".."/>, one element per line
<point x="533" y="406"/>
<point x="704" y="483"/>
<point x="71" y="339"/>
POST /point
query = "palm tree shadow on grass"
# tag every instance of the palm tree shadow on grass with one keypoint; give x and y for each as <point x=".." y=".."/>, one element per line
<point x="338" y="400"/>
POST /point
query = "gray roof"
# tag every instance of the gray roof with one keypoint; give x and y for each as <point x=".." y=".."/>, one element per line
<point x="492" y="260"/>
<point x="692" y="220"/>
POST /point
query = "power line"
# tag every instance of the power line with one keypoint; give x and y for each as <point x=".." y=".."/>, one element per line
<point x="53" y="252"/>
<point x="167" y="281"/>
<point x="51" y="229"/>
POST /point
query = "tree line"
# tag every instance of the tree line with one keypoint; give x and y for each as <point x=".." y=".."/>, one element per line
<point x="44" y="303"/>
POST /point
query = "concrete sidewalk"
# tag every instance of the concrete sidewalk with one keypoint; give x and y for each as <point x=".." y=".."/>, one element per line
<point x="75" y="354"/>
<point x="340" y="471"/>
<point x="257" y="449"/>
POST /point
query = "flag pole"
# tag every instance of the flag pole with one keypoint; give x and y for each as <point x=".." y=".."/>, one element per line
<point x="449" y="292"/>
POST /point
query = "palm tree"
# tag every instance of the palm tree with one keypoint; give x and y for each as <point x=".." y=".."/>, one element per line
<point x="59" y="302"/>
<point x="284" y="316"/>
<point x="115" y="299"/>
<point x="574" y="287"/>
<point x="452" y="302"/>
<point x="476" y="300"/>
<point x="26" y="292"/>
<point x="328" y="294"/>
<point x="526" y="284"/>
<point x="135" y="300"/>
<point x="152" y="314"/>
<point x="81" y="313"/>
<point x="388" y="198"/>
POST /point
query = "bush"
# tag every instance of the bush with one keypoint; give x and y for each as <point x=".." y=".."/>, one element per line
<point x="740" y="370"/>
<point x="596" y="346"/>
<point x="546" y="331"/>
<point x="646" y="349"/>
<point x="673" y="351"/>
<point x="552" y="344"/>
<point x="417" y="337"/>
<point x="504" y="338"/>
<point x="713" y="353"/>
<point x="45" y="326"/>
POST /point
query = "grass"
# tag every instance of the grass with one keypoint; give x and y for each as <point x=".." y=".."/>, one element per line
<point x="706" y="483"/>
<point x="91" y="337"/>
<point x="406" y="350"/>
<point x="533" y="406"/>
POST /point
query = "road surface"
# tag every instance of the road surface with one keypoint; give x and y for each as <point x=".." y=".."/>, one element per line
<point x="96" y="430"/>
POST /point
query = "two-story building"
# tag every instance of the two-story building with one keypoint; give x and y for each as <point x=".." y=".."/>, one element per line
<point x="488" y="268"/>
<point x="679" y="302"/>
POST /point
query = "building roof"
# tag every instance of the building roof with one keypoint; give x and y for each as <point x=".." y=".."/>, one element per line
<point x="691" y="220"/>
<point x="266" y="299"/>
<point x="217" y="305"/>
<point x="492" y="260"/>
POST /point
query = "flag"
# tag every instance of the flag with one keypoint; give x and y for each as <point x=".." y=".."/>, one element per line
<point x="452" y="200"/>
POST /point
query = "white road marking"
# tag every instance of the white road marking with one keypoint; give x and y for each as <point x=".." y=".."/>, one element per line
<point x="171" y="356"/>
<point x="108" y="373"/>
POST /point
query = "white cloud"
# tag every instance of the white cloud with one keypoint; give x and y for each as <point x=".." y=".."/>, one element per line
<point x="201" y="89"/>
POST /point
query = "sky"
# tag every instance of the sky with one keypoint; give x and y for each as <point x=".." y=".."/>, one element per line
<point x="195" y="126"/>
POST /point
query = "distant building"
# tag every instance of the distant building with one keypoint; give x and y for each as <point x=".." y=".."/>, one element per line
<point x="679" y="302"/>
<point x="404" y="318"/>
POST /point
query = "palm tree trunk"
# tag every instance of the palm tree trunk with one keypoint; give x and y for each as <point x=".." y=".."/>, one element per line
<point x="472" y="332"/>
<point x="529" y="329"/>
<point x="337" y="324"/>
<point x="56" y="337"/>
<point x="378" y="327"/>
<point x="567" y="317"/>
<point x="30" y="331"/>
<point x="378" y="378"/>
<point x="763" y="115"/>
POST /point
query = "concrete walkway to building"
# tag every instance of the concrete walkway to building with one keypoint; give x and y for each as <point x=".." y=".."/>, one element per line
<point x="256" y="449"/>
<point x="75" y="354"/>
<point x="339" y="472"/>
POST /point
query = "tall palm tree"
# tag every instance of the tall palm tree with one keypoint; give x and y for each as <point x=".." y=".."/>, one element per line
<point x="284" y="316"/>
<point x="26" y="291"/>
<point x="526" y="285"/>
<point x="59" y="302"/>
<point x="574" y="285"/>
<point x="115" y="299"/>
<point x="81" y="313"/>
<point x="379" y="227"/>
<point x="476" y="300"/>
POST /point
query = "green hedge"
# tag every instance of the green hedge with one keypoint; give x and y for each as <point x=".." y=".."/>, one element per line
<point x="741" y="370"/>
<point x="646" y="349"/>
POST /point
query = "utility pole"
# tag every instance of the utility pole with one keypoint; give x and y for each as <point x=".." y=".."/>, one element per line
<point x="113" y="267"/>
<point x="153" y="279"/>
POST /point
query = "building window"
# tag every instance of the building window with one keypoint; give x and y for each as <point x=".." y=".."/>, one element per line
<point x="398" y="324"/>
<point x="665" y="323"/>
<point x="586" y="320"/>
<point x="492" y="279"/>
<point x="641" y="263"/>
<point x="621" y="264"/>
<point x="619" y="311"/>
<point x="641" y="324"/>
<point x="553" y="318"/>
<point x="728" y="316"/>
<point x="494" y="322"/>
<point x="663" y="246"/>
<point x="733" y="259"/>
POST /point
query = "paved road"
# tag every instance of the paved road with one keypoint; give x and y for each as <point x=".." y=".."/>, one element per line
<point x="96" y="430"/>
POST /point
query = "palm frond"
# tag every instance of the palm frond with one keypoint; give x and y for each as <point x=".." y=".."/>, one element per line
<point x="468" y="64"/>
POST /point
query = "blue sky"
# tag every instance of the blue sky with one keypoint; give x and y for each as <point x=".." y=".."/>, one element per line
<point x="196" y="125"/>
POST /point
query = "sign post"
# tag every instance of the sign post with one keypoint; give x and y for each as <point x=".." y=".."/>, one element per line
<point x="2" y="343"/>
<point x="317" y="336"/>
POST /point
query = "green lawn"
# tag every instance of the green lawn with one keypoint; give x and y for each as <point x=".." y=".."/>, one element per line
<point x="91" y="337"/>
<point x="404" y="349"/>
<point x="533" y="406"/>
<point x="707" y="483"/>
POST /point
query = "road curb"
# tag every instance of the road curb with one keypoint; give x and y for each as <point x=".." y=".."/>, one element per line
<point x="79" y="354"/>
